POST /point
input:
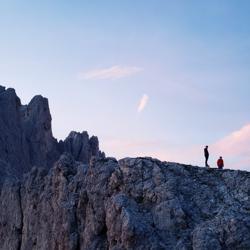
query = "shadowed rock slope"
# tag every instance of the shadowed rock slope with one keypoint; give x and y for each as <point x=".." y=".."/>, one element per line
<point x="138" y="203"/>
<point x="26" y="138"/>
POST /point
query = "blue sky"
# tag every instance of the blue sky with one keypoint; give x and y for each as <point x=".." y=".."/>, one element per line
<point x="187" y="62"/>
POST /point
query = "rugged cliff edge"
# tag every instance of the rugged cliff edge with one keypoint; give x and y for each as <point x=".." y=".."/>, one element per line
<point x="137" y="203"/>
<point x="82" y="200"/>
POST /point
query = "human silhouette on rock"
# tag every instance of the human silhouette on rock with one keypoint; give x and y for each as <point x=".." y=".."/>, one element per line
<point x="220" y="163"/>
<point x="206" y="154"/>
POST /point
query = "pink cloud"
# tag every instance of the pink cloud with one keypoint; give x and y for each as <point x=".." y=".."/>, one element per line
<point x="135" y="147"/>
<point x="122" y="147"/>
<point x="238" y="142"/>
<point x="112" y="73"/>
<point x="236" y="147"/>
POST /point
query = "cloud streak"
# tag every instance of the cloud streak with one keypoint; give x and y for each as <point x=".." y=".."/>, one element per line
<point x="112" y="73"/>
<point x="236" y="147"/>
<point x="237" y="142"/>
<point x="143" y="103"/>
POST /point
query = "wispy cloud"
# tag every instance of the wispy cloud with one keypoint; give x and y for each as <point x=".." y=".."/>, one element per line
<point x="112" y="73"/>
<point x="236" y="142"/>
<point x="143" y="103"/>
<point x="236" y="147"/>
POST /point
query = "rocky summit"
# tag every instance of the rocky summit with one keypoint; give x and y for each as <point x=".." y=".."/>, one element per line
<point x="26" y="138"/>
<point x="68" y="196"/>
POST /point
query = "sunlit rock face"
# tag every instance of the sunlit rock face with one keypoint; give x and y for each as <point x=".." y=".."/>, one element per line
<point x="26" y="138"/>
<point x="68" y="196"/>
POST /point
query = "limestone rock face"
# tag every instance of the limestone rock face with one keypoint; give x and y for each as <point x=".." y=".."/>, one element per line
<point x="26" y="138"/>
<point x="134" y="203"/>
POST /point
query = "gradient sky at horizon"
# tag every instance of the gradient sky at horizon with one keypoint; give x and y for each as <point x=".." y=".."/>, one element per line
<point x="149" y="78"/>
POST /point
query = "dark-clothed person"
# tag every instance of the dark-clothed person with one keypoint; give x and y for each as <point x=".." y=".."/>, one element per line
<point x="206" y="154"/>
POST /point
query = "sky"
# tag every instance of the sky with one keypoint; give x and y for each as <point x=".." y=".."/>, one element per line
<point x="155" y="78"/>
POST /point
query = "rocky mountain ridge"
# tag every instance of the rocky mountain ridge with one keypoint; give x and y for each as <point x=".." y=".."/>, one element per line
<point x="68" y="196"/>
<point x="134" y="203"/>
<point x="26" y="138"/>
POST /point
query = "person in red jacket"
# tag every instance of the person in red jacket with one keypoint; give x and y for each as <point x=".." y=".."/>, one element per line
<point x="220" y="163"/>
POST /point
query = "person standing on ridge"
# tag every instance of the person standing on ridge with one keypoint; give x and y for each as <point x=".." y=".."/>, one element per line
<point x="220" y="163"/>
<point x="206" y="154"/>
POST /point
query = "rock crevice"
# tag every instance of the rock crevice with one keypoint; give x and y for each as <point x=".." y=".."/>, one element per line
<point x="19" y="246"/>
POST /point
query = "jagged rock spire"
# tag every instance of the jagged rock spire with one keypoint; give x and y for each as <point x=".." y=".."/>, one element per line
<point x="26" y="137"/>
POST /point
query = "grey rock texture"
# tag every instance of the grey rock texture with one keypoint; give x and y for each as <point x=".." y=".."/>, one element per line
<point x="134" y="203"/>
<point x="26" y="138"/>
<point x="81" y="147"/>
